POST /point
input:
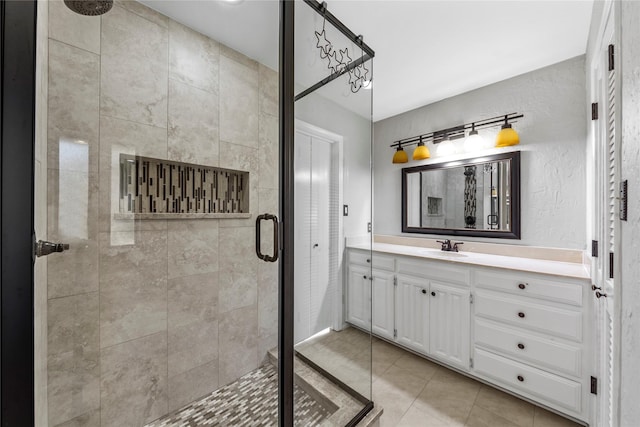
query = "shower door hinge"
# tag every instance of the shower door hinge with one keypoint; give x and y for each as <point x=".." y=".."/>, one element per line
<point x="594" y="111"/>
<point x="611" y="58"/>
<point x="594" y="248"/>
<point x="395" y="333"/>
<point x="594" y="385"/>
<point x="471" y="362"/>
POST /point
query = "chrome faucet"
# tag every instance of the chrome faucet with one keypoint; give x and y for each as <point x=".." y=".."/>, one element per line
<point x="448" y="247"/>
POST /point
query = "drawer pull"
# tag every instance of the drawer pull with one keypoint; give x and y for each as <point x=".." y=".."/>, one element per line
<point x="424" y="291"/>
<point x="520" y="378"/>
<point x="521" y="346"/>
<point x="433" y="294"/>
<point x="521" y="315"/>
<point x="522" y="285"/>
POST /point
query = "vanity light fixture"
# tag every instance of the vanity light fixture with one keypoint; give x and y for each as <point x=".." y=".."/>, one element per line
<point x="506" y="138"/>
<point x="421" y="152"/>
<point x="400" y="156"/>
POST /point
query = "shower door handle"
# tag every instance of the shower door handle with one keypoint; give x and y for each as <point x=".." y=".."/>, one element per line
<point x="267" y="258"/>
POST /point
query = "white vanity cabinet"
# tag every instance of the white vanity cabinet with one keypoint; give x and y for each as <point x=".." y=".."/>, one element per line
<point x="449" y="325"/>
<point x="529" y="337"/>
<point x="412" y="314"/>
<point x="370" y="293"/>
<point x="522" y="331"/>
<point x="359" y="297"/>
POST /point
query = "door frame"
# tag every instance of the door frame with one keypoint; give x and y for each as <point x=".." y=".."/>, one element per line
<point x="17" y="111"/>
<point x="337" y="154"/>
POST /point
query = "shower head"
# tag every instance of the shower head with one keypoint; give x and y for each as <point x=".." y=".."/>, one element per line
<point x="89" y="7"/>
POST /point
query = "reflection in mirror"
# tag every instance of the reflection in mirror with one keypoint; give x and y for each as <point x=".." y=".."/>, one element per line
<point x="474" y="197"/>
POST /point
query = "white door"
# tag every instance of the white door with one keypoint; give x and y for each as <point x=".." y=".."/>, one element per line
<point x="412" y="313"/>
<point x="449" y="323"/>
<point x="382" y="304"/>
<point x="605" y="216"/>
<point x="313" y="289"/>
<point x="359" y="296"/>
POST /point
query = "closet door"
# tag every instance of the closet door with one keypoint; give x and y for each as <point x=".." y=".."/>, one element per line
<point x="313" y="289"/>
<point x="321" y="291"/>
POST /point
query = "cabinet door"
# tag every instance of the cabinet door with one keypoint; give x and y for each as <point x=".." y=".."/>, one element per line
<point x="412" y="313"/>
<point x="382" y="304"/>
<point x="359" y="297"/>
<point x="449" y="324"/>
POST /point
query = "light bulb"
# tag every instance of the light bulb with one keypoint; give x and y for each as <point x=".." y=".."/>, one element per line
<point x="446" y="148"/>
<point x="474" y="142"/>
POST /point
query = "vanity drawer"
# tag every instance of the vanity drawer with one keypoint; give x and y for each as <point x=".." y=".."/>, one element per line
<point x="531" y="286"/>
<point x="525" y="314"/>
<point x="529" y="348"/>
<point x="548" y="387"/>
<point x="380" y="262"/>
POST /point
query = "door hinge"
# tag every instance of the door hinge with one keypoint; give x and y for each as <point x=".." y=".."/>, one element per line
<point x="395" y="333"/>
<point x="594" y="385"/>
<point x="368" y="227"/>
<point x="611" y="58"/>
<point x="395" y="281"/>
<point x="594" y="248"/>
<point x="594" y="111"/>
<point x="623" y="200"/>
<point x="610" y="265"/>
<point x="471" y="298"/>
<point x="471" y="362"/>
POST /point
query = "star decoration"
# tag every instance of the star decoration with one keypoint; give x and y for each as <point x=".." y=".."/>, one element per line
<point x="323" y="44"/>
<point x="334" y="63"/>
<point x="339" y="60"/>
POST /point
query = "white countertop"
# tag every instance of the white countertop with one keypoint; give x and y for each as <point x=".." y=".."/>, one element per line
<point x="556" y="268"/>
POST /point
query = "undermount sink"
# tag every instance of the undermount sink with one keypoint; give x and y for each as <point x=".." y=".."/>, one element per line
<point x="443" y="254"/>
<point x="446" y="254"/>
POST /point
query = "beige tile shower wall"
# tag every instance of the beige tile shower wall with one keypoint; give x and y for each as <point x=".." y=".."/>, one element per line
<point x="145" y="316"/>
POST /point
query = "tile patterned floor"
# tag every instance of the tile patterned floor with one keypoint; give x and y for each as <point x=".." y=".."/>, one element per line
<point x="416" y="392"/>
<point x="250" y="401"/>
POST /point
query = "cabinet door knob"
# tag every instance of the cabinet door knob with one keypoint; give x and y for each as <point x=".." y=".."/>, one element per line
<point x="522" y="285"/>
<point x="520" y="378"/>
<point x="433" y="294"/>
<point x="521" y="315"/>
<point x="364" y="277"/>
<point x="368" y="260"/>
<point x="424" y="291"/>
<point x="521" y="346"/>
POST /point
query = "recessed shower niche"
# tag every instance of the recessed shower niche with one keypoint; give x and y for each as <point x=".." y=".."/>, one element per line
<point x="154" y="188"/>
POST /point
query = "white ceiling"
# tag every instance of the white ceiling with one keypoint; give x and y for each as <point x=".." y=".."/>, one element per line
<point x="425" y="50"/>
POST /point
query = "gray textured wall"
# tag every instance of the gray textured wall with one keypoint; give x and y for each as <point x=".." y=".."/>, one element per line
<point x="630" y="230"/>
<point x="552" y="141"/>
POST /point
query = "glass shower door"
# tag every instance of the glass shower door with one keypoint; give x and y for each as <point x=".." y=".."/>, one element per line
<point x="160" y="152"/>
<point x="332" y="194"/>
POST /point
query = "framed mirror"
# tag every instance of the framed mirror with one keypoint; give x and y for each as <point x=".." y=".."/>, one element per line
<point x="472" y="197"/>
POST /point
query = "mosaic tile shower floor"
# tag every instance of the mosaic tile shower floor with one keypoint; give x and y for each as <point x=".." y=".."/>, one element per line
<point x="250" y="401"/>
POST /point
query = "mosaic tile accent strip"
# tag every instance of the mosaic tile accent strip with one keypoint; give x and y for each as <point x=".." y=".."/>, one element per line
<point x="154" y="186"/>
<point x="250" y="401"/>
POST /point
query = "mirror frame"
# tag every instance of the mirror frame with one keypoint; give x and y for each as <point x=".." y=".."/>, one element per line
<point x="514" y="183"/>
